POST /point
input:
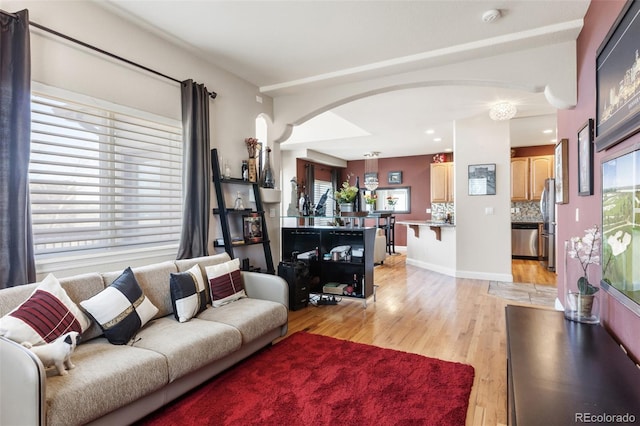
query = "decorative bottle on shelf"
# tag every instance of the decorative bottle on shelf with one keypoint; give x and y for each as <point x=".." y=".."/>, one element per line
<point x="301" y="203"/>
<point x="356" y="202"/>
<point x="245" y="170"/>
<point x="356" y="289"/>
<point x="306" y="207"/>
<point x="238" y="204"/>
<point x="267" y="179"/>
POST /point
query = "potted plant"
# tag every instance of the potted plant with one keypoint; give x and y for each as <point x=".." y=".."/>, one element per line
<point x="391" y="202"/>
<point x="370" y="200"/>
<point x="580" y="300"/>
<point x="346" y="195"/>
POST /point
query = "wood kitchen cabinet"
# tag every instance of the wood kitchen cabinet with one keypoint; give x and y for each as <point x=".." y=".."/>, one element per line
<point x="520" y="179"/>
<point x="541" y="168"/>
<point x="442" y="182"/>
<point x="528" y="175"/>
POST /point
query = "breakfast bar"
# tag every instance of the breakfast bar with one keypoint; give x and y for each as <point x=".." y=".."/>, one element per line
<point x="431" y="245"/>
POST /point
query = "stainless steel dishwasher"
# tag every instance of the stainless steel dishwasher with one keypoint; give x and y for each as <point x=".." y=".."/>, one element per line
<point x="524" y="240"/>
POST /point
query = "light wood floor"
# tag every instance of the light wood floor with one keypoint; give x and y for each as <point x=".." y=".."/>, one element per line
<point x="435" y="315"/>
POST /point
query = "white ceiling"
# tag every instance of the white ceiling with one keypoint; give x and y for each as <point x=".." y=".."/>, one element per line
<point x="285" y="46"/>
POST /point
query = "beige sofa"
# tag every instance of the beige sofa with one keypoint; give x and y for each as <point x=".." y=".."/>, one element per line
<point x="119" y="384"/>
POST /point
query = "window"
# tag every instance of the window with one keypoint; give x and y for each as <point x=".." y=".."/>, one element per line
<point x="102" y="177"/>
<point x="320" y="187"/>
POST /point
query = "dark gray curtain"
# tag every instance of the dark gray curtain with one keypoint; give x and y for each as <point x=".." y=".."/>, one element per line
<point x="196" y="169"/>
<point x="310" y="177"/>
<point x="17" y="264"/>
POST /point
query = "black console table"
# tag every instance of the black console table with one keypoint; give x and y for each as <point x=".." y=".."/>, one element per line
<point x="561" y="372"/>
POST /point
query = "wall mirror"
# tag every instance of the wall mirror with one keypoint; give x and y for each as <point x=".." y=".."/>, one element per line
<point x="397" y="199"/>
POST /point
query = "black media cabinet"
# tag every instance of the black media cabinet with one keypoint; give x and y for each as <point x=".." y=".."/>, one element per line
<point x="315" y="244"/>
<point x="561" y="372"/>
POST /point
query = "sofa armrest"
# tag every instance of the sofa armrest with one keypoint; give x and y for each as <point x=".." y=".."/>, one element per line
<point x="22" y="385"/>
<point x="266" y="287"/>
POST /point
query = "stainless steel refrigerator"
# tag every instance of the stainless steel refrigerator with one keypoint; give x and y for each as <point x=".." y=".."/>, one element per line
<point x="548" y="209"/>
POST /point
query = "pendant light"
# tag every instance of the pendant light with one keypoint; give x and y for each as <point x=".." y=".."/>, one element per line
<point x="371" y="170"/>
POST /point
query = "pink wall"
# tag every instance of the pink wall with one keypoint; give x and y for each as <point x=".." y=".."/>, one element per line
<point x="415" y="173"/>
<point x="620" y="321"/>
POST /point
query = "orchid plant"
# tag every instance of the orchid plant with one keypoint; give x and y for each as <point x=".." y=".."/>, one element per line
<point x="586" y="249"/>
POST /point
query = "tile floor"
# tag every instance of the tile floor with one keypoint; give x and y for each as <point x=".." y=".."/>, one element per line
<point x="535" y="294"/>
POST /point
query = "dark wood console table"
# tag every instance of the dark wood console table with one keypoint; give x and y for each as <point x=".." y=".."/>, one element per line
<point x="561" y="372"/>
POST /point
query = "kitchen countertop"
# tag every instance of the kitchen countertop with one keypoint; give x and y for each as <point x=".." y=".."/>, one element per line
<point x="434" y="223"/>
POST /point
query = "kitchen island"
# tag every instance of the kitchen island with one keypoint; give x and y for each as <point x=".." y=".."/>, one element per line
<point x="431" y="245"/>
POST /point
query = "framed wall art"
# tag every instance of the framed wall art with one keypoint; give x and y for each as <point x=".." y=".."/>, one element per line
<point x="252" y="227"/>
<point x="394" y="177"/>
<point x="617" y="80"/>
<point x="585" y="159"/>
<point x="482" y="179"/>
<point x="370" y="175"/>
<point x="561" y="158"/>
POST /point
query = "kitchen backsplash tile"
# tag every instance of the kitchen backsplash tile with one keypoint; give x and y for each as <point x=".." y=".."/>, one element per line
<point x="439" y="210"/>
<point x="525" y="211"/>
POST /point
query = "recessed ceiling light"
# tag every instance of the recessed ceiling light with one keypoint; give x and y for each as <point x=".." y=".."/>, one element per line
<point x="448" y="150"/>
<point x="547" y="131"/>
<point x="554" y="140"/>
<point x="437" y="139"/>
<point x="430" y="131"/>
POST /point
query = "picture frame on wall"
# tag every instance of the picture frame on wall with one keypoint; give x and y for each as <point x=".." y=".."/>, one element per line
<point x="370" y="175"/>
<point x="482" y="179"/>
<point x="561" y="167"/>
<point x="394" y="178"/>
<point x="252" y="227"/>
<point x="617" y="97"/>
<point x="585" y="159"/>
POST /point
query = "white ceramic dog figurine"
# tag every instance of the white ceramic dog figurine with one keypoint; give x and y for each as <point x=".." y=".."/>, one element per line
<point x="58" y="352"/>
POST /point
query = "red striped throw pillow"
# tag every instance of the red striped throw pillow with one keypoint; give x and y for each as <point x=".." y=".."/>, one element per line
<point x="225" y="282"/>
<point x="46" y="315"/>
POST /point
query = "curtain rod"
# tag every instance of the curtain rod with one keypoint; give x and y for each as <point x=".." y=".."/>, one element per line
<point x="97" y="49"/>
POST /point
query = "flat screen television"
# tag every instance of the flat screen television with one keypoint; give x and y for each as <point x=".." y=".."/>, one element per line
<point x="620" y="258"/>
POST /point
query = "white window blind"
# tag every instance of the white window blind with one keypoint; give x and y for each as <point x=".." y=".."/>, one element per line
<point x="319" y="188"/>
<point x="102" y="179"/>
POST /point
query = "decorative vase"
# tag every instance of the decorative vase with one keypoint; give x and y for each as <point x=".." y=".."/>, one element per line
<point x="346" y="207"/>
<point x="369" y="207"/>
<point x="253" y="171"/>
<point x="267" y="180"/>
<point x="578" y="307"/>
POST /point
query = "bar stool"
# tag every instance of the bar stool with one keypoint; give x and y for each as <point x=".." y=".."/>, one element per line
<point x="391" y="234"/>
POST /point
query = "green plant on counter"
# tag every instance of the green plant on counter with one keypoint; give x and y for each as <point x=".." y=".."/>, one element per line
<point x="347" y="193"/>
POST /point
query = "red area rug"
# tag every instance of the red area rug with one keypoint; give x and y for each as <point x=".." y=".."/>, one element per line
<point x="308" y="379"/>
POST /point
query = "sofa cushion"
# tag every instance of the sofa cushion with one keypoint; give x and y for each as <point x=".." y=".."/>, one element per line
<point x="106" y="377"/>
<point x="46" y="315"/>
<point x="188" y="292"/>
<point x="120" y="309"/>
<point x="154" y="282"/>
<point x="253" y="317"/>
<point x="82" y="287"/>
<point x="190" y="345"/>
<point x="202" y="262"/>
<point x="225" y="282"/>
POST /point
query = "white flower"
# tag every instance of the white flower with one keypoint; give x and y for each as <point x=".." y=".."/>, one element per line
<point x="619" y="242"/>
